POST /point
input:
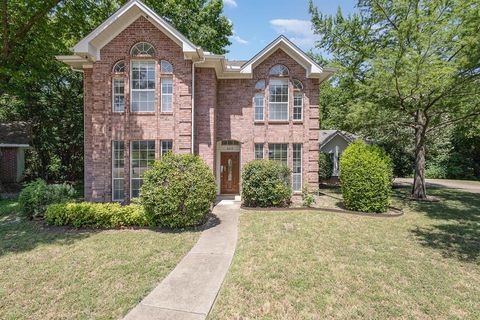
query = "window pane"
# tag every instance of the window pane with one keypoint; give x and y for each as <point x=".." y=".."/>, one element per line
<point x="143" y="86"/>
<point x="118" y="95"/>
<point x="118" y="170"/>
<point x="258" y="151"/>
<point x="297" y="167"/>
<point x="278" y="152"/>
<point x="297" y="106"/>
<point x="166" y="67"/>
<point x="167" y="94"/>
<point x="166" y="146"/>
<point x="143" y="155"/>
<point x="259" y="106"/>
<point x="278" y="100"/>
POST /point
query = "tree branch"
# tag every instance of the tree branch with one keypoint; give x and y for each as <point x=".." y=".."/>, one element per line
<point x="451" y="121"/>
<point x="386" y="15"/>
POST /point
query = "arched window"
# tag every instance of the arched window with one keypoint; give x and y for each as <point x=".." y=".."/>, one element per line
<point x="260" y="85"/>
<point x="279" y="70"/>
<point x="142" y="49"/>
<point x="166" y="67"/>
<point x="297" y="84"/>
<point x="119" y="67"/>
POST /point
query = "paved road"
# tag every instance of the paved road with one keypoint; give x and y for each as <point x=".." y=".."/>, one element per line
<point x="189" y="291"/>
<point x="468" y="186"/>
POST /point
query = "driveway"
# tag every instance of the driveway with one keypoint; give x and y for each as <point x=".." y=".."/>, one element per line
<point x="464" y="185"/>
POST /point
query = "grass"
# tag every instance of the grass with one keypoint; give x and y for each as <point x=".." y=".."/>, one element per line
<point x="314" y="265"/>
<point x="51" y="273"/>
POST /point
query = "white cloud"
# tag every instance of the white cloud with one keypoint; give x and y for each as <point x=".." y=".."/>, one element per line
<point x="299" y="31"/>
<point x="230" y="3"/>
<point x="238" y="39"/>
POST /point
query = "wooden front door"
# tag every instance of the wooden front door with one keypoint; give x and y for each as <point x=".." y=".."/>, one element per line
<point x="230" y="173"/>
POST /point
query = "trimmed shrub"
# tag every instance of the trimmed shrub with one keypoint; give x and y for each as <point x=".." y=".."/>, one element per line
<point x="178" y="191"/>
<point x="307" y="198"/>
<point x="266" y="183"/>
<point x="366" y="178"/>
<point x="37" y="195"/>
<point x="325" y="166"/>
<point x="97" y="215"/>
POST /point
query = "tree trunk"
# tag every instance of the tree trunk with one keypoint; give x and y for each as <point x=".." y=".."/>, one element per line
<point x="419" y="189"/>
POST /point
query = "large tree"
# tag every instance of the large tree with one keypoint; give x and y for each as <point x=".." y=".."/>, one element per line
<point x="36" y="88"/>
<point x="407" y="64"/>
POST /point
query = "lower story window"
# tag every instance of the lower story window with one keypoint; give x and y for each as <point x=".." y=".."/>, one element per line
<point x="165" y="147"/>
<point x="258" y="151"/>
<point x="278" y="152"/>
<point x="118" y="172"/>
<point x="297" y="167"/>
<point x="142" y="155"/>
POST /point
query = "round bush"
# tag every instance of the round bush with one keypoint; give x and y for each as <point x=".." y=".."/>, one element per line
<point x="366" y="178"/>
<point x="325" y="166"/>
<point x="266" y="183"/>
<point x="178" y="191"/>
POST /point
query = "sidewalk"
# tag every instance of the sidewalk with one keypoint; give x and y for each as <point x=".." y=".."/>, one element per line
<point x="189" y="291"/>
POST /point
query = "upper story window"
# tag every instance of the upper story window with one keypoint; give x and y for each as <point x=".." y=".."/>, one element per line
<point x="166" y="67"/>
<point x="297" y="100"/>
<point x="297" y="84"/>
<point x="278" y="99"/>
<point x="167" y="94"/>
<point x="118" y="94"/>
<point x="260" y="85"/>
<point x="119" y="67"/>
<point x="259" y="107"/>
<point x="143" y="86"/>
<point x="142" y="49"/>
<point x="278" y="70"/>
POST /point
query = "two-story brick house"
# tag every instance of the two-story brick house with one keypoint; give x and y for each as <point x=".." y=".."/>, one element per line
<point x="149" y="90"/>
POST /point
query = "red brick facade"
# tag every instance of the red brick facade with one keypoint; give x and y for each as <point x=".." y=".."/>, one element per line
<point x="223" y="111"/>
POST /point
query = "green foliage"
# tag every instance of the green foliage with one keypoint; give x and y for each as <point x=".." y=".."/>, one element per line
<point x="178" y="191"/>
<point x="366" y="178"/>
<point x="307" y="197"/>
<point x="97" y="215"/>
<point x="266" y="183"/>
<point x="37" y="195"/>
<point x="325" y="165"/>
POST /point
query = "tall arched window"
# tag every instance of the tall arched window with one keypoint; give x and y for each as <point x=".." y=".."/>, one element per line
<point x="166" y="67"/>
<point x="297" y="100"/>
<point x="278" y="70"/>
<point x="118" y="87"/>
<point x="142" y="49"/>
<point x="166" y="86"/>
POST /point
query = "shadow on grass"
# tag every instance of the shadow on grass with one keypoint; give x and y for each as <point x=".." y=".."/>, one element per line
<point x="455" y="230"/>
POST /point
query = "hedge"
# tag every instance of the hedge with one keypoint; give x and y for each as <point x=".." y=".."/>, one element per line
<point x="366" y="178"/>
<point x="266" y="183"/>
<point x="178" y="191"/>
<point x="37" y="195"/>
<point x="97" y="215"/>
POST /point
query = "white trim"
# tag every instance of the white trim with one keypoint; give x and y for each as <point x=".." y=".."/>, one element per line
<point x="301" y="166"/>
<point x="227" y="148"/>
<point x="169" y="94"/>
<point x="288" y="100"/>
<point x="300" y="93"/>
<point x="333" y="135"/>
<point x="143" y="90"/>
<point x="113" y="168"/>
<point x="113" y="93"/>
<point x="14" y="145"/>
<point x="255" y="106"/>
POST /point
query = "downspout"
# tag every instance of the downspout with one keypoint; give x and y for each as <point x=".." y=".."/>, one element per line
<point x="193" y="99"/>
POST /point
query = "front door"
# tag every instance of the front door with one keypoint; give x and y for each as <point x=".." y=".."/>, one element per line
<point x="230" y="173"/>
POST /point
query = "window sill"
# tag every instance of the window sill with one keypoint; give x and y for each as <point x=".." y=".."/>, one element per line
<point x="142" y="113"/>
<point x="166" y="113"/>
<point x="278" y="122"/>
<point x="259" y="122"/>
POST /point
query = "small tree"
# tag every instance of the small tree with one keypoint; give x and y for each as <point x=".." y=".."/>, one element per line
<point x="178" y="191"/>
<point x="366" y="178"/>
<point x="325" y="166"/>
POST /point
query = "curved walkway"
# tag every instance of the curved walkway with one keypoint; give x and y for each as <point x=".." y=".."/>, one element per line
<point x="189" y="291"/>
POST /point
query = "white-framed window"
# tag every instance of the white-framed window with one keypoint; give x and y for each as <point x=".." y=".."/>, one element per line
<point x="297" y="167"/>
<point x="142" y="49"/>
<point x="297" y="84"/>
<point x="143" y="86"/>
<point x="165" y="147"/>
<point x="260" y="85"/>
<point x="119" y="67"/>
<point x="167" y="94"/>
<point x="278" y="100"/>
<point x="118" y="94"/>
<point x="166" y="67"/>
<point x="118" y="170"/>
<point x="258" y="151"/>
<point x="142" y="156"/>
<point x="297" y="106"/>
<point x="279" y="70"/>
<point x="259" y="110"/>
<point x="278" y="152"/>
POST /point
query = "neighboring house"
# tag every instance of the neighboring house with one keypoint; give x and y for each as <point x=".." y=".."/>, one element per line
<point x="14" y="140"/>
<point x="333" y="142"/>
<point x="149" y="90"/>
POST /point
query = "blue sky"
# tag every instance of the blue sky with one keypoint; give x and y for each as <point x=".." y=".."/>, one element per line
<point x="257" y="22"/>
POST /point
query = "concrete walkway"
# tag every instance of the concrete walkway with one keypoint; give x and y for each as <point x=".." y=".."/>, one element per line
<point x="189" y="291"/>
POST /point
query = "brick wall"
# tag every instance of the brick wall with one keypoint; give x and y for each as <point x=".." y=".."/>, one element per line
<point x="8" y="165"/>
<point x="102" y="125"/>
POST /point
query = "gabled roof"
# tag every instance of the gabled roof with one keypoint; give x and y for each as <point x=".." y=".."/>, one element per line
<point x="88" y="49"/>
<point x="325" y="136"/>
<point x="14" y="134"/>
<point x="282" y="42"/>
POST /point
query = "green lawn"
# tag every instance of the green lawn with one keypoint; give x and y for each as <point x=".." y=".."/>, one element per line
<point x="51" y="273"/>
<point x="315" y="265"/>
